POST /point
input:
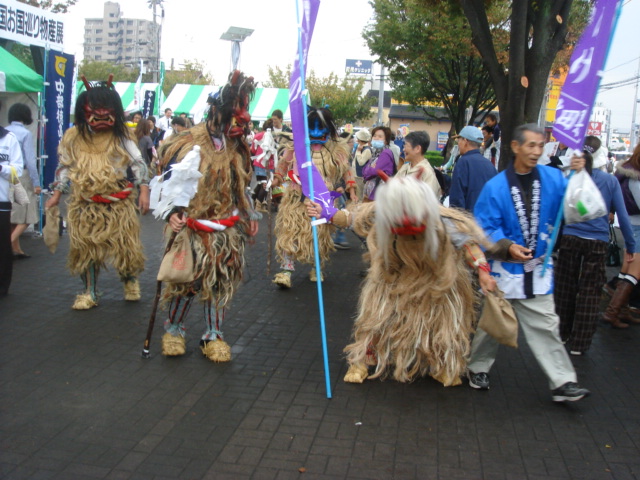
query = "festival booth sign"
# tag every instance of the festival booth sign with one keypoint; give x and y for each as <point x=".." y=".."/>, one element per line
<point x="127" y="92"/>
<point x="192" y="100"/>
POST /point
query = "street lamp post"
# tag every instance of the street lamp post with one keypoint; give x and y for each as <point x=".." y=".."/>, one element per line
<point x="236" y="35"/>
<point x="158" y="31"/>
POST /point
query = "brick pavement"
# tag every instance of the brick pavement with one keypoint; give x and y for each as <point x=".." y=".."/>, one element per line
<point x="77" y="401"/>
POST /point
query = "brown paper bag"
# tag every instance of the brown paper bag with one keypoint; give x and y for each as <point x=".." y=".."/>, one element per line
<point x="51" y="230"/>
<point x="499" y="320"/>
<point x="177" y="264"/>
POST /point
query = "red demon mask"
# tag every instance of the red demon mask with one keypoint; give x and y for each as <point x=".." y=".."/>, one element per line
<point x="99" y="118"/>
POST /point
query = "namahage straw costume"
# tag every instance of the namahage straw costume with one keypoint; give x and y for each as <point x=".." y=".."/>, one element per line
<point x="101" y="165"/>
<point x="294" y="235"/>
<point x="221" y="198"/>
<point x="416" y="308"/>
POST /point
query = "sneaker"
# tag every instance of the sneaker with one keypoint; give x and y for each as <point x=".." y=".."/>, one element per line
<point x="342" y="245"/>
<point x="479" y="380"/>
<point x="569" y="392"/>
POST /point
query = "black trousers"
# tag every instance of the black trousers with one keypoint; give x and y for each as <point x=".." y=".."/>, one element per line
<point x="6" y="254"/>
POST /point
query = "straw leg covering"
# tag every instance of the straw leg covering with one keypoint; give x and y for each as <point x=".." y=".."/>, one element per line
<point x="356" y="373"/>
<point x="294" y="236"/>
<point x="217" y="351"/>
<point x="173" y="345"/>
<point x="132" y="290"/>
<point x="89" y="298"/>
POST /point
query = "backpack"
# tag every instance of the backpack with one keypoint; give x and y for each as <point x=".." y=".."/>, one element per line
<point x="444" y="181"/>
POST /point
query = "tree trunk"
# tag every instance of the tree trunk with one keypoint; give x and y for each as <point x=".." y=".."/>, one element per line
<point x="536" y="36"/>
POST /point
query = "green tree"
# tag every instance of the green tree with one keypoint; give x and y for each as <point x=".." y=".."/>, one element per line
<point x="430" y="58"/>
<point x="55" y="7"/>
<point x="541" y="32"/>
<point x="192" y="73"/>
<point x="99" y="71"/>
<point x="22" y="53"/>
<point x="278" y="78"/>
<point x="343" y="95"/>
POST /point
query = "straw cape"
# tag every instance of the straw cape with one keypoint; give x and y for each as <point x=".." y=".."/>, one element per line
<point x="416" y="309"/>
<point x="293" y="230"/>
<point x="219" y="258"/>
<point x="100" y="234"/>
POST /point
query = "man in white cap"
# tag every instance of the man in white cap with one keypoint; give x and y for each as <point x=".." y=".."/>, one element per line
<point x="472" y="170"/>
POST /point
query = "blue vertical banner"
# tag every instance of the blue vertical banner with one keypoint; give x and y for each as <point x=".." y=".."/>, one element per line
<point x="58" y="93"/>
<point x="148" y="103"/>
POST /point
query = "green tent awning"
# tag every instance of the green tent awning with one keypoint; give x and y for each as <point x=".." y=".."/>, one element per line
<point x="126" y="90"/>
<point x="15" y="76"/>
<point x="192" y="99"/>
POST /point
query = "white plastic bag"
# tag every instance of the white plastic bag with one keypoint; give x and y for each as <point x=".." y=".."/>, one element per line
<point x="583" y="200"/>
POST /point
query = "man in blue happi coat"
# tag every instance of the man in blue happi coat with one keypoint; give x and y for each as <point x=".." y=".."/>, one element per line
<point x="517" y="209"/>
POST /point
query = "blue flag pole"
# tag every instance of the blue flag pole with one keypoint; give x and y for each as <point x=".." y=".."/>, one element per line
<point x="308" y="165"/>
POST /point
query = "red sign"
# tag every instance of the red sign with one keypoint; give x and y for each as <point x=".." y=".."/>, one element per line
<point x="595" y="129"/>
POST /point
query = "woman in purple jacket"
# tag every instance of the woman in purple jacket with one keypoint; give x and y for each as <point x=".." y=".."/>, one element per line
<point x="381" y="159"/>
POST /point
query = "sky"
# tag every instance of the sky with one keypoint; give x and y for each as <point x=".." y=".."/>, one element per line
<point x="622" y="63"/>
<point x="192" y="30"/>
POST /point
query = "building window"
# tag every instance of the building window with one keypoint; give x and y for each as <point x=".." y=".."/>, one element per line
<point x="99" y="30"/>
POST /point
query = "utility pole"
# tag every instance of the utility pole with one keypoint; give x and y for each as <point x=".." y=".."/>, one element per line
<point x="158" y="31"/>
<point x="634" y="126"/>
<point x="381" y="95"/>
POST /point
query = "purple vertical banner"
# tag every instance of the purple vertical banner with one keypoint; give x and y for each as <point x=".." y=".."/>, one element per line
<point x="59" y="75"/>
<point x="298" y="119"/>
<point x="585" y="69"/>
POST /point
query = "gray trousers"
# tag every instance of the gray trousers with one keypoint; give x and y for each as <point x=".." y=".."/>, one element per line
<point x="539" y="323"/>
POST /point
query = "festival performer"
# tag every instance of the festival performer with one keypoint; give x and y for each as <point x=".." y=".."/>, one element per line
<point x="294" y="236"/>
<point x="100" y="163"/>
<point x="217" y="220"/>
<point x="416" y="309"/>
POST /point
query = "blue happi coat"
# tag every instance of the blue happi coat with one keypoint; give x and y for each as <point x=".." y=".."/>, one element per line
<point x="496" y="214"/>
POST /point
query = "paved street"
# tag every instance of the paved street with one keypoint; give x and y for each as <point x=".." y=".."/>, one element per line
<point x="78" y="402"/>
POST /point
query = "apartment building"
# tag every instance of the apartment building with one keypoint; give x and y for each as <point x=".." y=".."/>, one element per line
<point x="121" y="41"/>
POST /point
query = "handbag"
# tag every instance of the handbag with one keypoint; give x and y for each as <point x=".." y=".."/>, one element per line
<point x="613" y="250"/>
<point x="177" y="264"/>
<point x="499" y="320"/>
<point x="17" y="193"/>
<point x="51" y="230"/>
